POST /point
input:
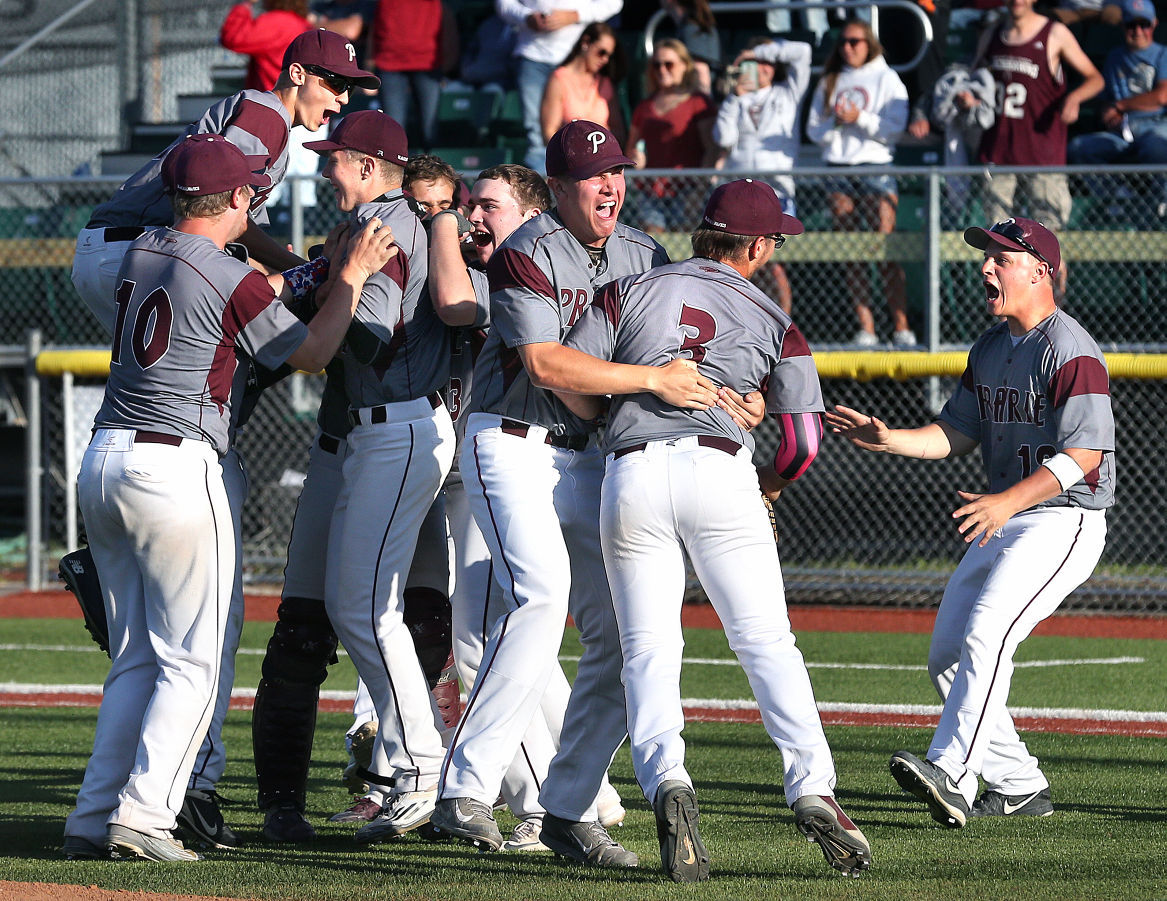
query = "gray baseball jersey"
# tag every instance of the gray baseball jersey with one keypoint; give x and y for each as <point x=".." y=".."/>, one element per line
<point x="254" y="121"/>
<point x="1030" y="398"/>
<point x="185" y="309"/>
<point x="541" y="282"/>
<point x="705" y="311"/>
<point x="396" y="348"/>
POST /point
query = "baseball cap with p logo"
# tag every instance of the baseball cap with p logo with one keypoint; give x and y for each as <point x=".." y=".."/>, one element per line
<point x="330" y="51"/>
<point x="581" y="149"/>
<point x="748" y="207"/>
<point x="370" y="132"/>
<point x="210" y="164"/>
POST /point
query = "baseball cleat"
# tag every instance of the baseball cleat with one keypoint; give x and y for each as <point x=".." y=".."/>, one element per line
<point x="363" y="810"/>
<point x="125" y="843"/>
<point x="822" y="821"/>
<point x="587" y="843"/>
<point x="403" y="813"/>
<point x="470" y="820"/>
<point x="77" y="848"/>
<point x="285" y="822"/>
<point x="526" y="837"/>
<point x="682" y="853"/>
<point x="202" y="822"/>
<point x="933" y="786"/>
<point x="995" y="804"/>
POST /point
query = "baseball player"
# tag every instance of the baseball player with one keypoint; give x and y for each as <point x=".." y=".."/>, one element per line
<point x="318" y="73"/>
<point x="503" y="198"/>
<point x="1035" y="398"/>
<point x="151" y="487"/>
<point x="680" y="479"/>
<point x="399" y="451"/>
<point x="532" y="473"/>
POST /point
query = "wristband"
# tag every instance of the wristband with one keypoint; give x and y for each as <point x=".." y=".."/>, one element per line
<point x="306" y="277"/>
<point x="1065" y="469"/>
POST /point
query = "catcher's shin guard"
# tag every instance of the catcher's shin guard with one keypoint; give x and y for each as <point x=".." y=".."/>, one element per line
<point x="427" y="616"/>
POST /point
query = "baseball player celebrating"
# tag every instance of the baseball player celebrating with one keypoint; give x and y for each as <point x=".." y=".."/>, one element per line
<point x="151" y="488"/>
<point x="399" y="450"/>
<point x="681" y="481"/>
<point x="532" y="473"/>
<point x="1035" y="397"/>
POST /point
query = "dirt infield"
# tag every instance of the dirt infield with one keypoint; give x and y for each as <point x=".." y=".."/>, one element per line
<point x="262" y="608"/>
<point x="43" y="891"/>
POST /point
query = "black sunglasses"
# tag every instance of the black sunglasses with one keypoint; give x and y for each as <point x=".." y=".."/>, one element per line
<point x="1138" y="23"/>
<point x="1013" y="232"/>
<point x="778" y="240"/>
<point x="853" y="42"/>
<point x="338" y="84"/>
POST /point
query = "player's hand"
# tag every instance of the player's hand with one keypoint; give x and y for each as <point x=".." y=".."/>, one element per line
<point x="452" y="217"/>
<point x="1070" y="110"/>
<point x="984" y="515"/>
<point x="770" y="482"/>
<point x="747" y="412"/>
<point x="862" y="430"/>
<point x="370" y="249"/>
<point x="680" y="384"/>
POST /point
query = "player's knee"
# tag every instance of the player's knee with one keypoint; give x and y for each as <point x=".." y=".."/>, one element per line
<point x="302" y="645"/>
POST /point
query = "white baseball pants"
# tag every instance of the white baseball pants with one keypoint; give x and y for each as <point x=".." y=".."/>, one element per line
<point x="676" y="496"/>
<point x="95" y="267"/>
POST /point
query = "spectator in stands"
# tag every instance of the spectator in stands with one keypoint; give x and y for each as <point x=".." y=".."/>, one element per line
<point x="1135" y="115"/>
<point x="697" y="30"/>
<point x="350" y="18"/>
<point x="264" y="36"/>
<point x="757" y="124"/>
<point x="431" y="182"/>
<point x="488" y="61"/>
<point x="670" y="130"/>
<point x="547" y="31"/>
<point x="584" y="87"/>
<point x="407" y="53"/>
<point x="858" y="110"/>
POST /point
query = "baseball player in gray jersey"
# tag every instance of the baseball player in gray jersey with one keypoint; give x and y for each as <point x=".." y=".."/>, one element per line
<point x="1035" y="397"/>
<point x="162" y="539"/>
<point x="319" y="71"/>
<point x="532" y="473"/>
<point x="399" y="450"/>
<point x="503" y="198"/>
<point x="682" y="482"/>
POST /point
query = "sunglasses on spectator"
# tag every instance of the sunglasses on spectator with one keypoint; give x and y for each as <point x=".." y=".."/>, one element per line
<point x="667" y="65"/>
<point x="853" y="42"/>
<point x="1140" y="25"/>
<point x="338" y="84"/>
<point x="778" y="240"/>
<point x="1013" y="232"/>
<point x="603" y="54"/>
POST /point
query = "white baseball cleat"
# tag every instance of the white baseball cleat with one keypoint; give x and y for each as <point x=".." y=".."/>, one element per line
<point x="402" y="813"/>
<point x="526" y="837"/>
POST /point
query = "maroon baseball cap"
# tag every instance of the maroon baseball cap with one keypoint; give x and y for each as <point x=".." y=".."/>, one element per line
<point x="210" y="164"/>
<point x="369" y="131"/>
<point x="1021" y="235"/>
<point x="330" y="51"/>
<point x="581" y="149"/>
<point x="748" y="207"/>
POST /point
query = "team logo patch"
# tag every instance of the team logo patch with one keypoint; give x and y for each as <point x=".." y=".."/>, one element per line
<point x="596" y="138"/>
<point x="352" y="53"/>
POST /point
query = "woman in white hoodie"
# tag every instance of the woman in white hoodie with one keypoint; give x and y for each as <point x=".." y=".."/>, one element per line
<point x="858" y="110"/>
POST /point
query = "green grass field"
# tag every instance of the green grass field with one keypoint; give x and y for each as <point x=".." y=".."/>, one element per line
<point x="1107" y="840"/>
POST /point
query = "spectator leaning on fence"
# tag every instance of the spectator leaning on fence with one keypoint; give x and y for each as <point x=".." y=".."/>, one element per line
<point x="1135" y="114"/>
<point x="757" y="125"/>
<point x="859" y="109"/>
<point x="584" y="87"/>
<point x="547" y="31"/>
<point x="264" y="37"/>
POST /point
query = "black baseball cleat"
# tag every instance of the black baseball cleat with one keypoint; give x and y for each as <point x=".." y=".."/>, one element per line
<point x="682" y="853"/>
<point x="202" y="822"/>
<point x="933" y="786"/>
<point x="587" y="843"/>
<point x="994" y="804"/>
<point x="285" y="822"/>
<point x="822" y="821"/>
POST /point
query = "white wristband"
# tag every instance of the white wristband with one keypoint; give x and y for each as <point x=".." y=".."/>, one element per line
<point x="1065" y="469"/>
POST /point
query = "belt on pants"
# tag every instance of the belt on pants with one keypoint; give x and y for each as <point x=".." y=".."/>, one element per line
<point x="328" y="443"/>
<point x="520" y="429"/>
<point x="144" y="437"/>
<point x="714" y="441"/>
<point x="380" y="414"/>
<point x="123" y="233"/>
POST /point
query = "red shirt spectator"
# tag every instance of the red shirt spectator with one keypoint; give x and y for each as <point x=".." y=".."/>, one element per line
<point x="264" y="37"/>
<point x="407" y="35"/>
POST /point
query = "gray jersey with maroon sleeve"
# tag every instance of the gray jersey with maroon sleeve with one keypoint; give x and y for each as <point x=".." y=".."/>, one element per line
<point x="185" y="310"/>
<point x="1025" y="400"/>
<point x="541" y="281"/>
<point x="254" y="121"/>
<point x="705" y="311"/>
<point x="397" y="348"/>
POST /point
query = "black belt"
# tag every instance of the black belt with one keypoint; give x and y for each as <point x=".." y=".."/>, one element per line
<point x="328" y="443"/>
<point x="123" y="233"/>
<point x="715" y="441"/>
<point x="144" y="437"/>
<point x="380" y="413"/>
<point x="565" y="442"/>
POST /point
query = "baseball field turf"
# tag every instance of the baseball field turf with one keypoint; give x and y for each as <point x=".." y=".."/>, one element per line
<point x="1099" y="704"/>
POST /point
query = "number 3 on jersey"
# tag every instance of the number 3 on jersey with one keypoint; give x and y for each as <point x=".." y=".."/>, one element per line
<point x="699" y="328"/>
<point x="150" y="338"/>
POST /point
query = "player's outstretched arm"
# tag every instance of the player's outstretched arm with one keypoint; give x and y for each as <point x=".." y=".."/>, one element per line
<point x="934" y="441"/>
<point x="265" y="249"/>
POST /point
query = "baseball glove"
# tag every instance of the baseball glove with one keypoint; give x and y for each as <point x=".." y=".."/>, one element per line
<point x="773" y="516"/>
<point x="79" y="574"/>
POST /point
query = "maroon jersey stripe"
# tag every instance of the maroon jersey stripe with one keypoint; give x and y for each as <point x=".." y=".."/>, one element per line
<point x="1081" y="375"/>
<point x="251" y="297"/>
<point x="263" y="122"/>
<point x="397" y="269"/>
<point x="794" y="344"/>
<point x="609" y="301"/>
<point x="509" y="268"/>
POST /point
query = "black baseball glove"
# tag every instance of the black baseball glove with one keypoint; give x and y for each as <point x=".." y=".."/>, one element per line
<point x="79" y="573"/>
